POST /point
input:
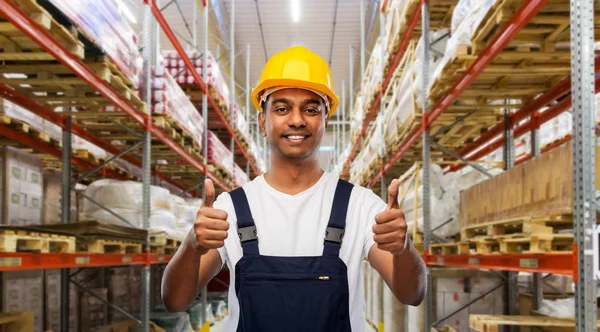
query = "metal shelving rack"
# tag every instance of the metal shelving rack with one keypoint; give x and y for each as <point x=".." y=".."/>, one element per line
<point x="151" y="20"/>
<point x="577" y="90"/>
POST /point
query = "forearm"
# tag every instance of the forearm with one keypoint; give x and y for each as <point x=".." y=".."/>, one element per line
<point x="409" y="276"/>
<point x="181" y="279"/>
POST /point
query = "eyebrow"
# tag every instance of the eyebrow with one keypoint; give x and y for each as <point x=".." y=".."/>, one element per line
<point x="304" y="103"/>
<point x="312" y="101"/>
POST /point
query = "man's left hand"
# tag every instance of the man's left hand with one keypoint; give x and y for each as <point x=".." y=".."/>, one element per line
<point x="390" y="228"/>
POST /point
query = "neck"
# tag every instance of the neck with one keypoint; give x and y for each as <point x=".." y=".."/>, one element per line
<point x="293" y="176"/>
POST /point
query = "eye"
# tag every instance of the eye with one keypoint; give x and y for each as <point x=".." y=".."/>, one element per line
<point x="312" y="111"/>
<point x="280" y="110"/>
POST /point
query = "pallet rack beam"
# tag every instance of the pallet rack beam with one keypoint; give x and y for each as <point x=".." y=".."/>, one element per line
<point x="33" y="261"/>
<point x="199" y="81"/>
<point x="517" y="22"/>
<point x="555" y="263"/>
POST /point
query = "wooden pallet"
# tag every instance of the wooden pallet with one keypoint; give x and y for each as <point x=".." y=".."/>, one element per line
<point x="177" y="132"/>
<point x="16" y="321"/>
<point x="18" y="240"/>
<point x="16" y="46"/>
<point x="28" y="130"/>
<point x="162" y="244"/>
<point x="109" y="246"/>
<point x="525" y="225"/>
<point x="491" y="323"/>
<point x="523" y="243"/>
<point x="453" y="248"/>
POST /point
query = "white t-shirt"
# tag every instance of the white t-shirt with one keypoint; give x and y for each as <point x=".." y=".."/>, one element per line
<point x="294" y="225"/>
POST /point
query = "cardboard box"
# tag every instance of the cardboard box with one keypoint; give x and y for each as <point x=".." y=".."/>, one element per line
<point x="538" y="187"/>
<point x="22" y="291"/>
<point x="52" y="198"/>
<point x="92" y="312"/>
<point x="21" y="187"/>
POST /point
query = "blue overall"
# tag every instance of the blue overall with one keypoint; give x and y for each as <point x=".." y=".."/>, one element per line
<point x="293" y="293"/>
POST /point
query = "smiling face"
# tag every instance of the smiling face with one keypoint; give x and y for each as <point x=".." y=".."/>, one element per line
<point x="294" y="121"/>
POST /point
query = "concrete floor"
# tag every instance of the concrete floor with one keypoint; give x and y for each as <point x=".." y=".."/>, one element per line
<point x="220" y="327"/>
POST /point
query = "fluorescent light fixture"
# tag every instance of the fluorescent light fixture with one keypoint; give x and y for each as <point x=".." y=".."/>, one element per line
<point x="125" y="11"/>
<point x="296" y="11"/>
<point x="15" y="76"/>
<point x="25" y="86"/>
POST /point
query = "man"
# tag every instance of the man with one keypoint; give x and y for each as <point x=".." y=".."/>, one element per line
<point x="294" y="238"/>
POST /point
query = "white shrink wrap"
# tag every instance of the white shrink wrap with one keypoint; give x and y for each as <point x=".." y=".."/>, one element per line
<point x="125" y="199"/>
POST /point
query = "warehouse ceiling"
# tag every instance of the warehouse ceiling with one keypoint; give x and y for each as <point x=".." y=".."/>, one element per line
<point x="268" y="26"/>
<point x="327" y="27"/>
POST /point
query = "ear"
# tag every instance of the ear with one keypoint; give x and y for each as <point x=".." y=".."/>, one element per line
<point x="261" y="123"/>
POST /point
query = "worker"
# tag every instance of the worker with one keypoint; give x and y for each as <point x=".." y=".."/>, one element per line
<point x="295" y="238"/>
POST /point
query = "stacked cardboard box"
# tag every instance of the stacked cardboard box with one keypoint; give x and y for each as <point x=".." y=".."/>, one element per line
<point x="22" y="291"/>
<point x="158" y="275"/>
<point x="135" y="290"/>
<point x="52" y="293"/>
<point x="52" y="198"/>
<point x="21" y="187"/>
<point x="92" y="311"/>
<point x="119" y="292"/>
<point x="540" y="187"/>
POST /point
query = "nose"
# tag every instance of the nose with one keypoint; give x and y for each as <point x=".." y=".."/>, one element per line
<point x="296" y="119"/>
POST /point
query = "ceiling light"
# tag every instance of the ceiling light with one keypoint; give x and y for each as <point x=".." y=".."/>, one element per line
<point x="296" y="11"/>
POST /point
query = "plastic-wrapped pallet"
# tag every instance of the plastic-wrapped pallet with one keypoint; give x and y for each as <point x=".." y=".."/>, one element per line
<point x="357" y="117"/>
<point x="52" y="198"/>
<point x="368" y="292"/>
<point x="402" y="110"/>
<point x="466" y="18"/>
<point x="185" y="213"/>
<point x="377" y="297"/>
<point x="240" y="176"/>
<point x="371" y="84"/>
<point x="169" y="99"/>
<point x="219" y="154"/>
<point x="240" y="123"/>
<point x="125" y="198"/>
<point x="393" y="311"/>
<point x="176" y="67"/>
<point x="105" y="22"/>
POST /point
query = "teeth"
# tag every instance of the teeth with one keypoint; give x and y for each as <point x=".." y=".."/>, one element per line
<point x="295" y="137"/>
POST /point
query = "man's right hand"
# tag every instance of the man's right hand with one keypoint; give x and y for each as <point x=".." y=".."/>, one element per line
<point x="210" y="227"/>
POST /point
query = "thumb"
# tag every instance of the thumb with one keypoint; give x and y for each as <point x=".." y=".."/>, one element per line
<point x="393" y="189"/>
<point x="209" y="197"/>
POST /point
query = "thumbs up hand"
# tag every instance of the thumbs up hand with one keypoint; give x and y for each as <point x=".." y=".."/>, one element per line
<point x="390" y="228"/>
<point x="210" y="227"/>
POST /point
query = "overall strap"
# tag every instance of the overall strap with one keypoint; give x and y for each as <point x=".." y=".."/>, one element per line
<point x="337" y="220"/>
<point x="245" y="223"/>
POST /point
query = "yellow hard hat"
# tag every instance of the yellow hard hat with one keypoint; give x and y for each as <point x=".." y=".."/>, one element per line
<point x="296" y="67"/>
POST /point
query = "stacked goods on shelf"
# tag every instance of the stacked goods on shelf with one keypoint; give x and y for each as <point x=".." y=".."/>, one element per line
<point x="466" y="18"/>
<point x="23" y="291"/>
<point x="105" y="24"/>
<point x="185" y="213"/>
<point x="169" y="99"/>
<point x="220" y="156"/>
<point x="357" y="118"/>
<point x="21" y="187"/>
<point x="445" y="192"/>
<point x="124" y="291"/>
<point x="369" y="156"/>
<point x="240" y="176"/>
<point x="525" y="209"/>
<point x="241" y="126"/>
<point x="93" y="312"/>
<point x="52" y="198"/>
<point x="52" y="291"/>
<point x="372" y="78"/>
<point x="125" y="199"/>
<point x="543" y="186"/>
<point x="216" y="81"/>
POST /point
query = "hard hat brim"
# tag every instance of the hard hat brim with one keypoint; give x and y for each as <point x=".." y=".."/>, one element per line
<point x="292" y="83"/>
